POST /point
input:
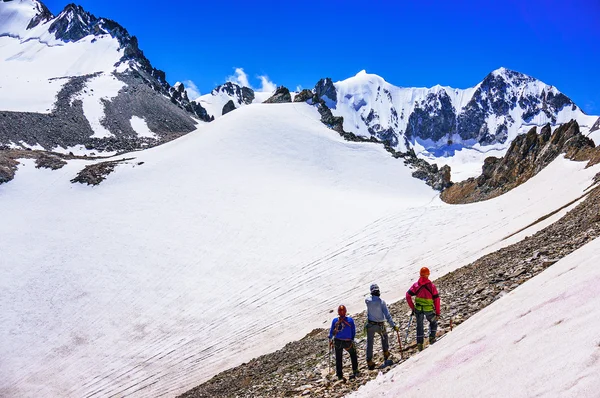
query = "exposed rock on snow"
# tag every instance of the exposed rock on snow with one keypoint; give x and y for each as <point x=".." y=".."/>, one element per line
<point x="303" y="95"/>
<point x="463" y="293"/>
<point x="49" y="161"/>
<point x="96" y="173"/>
<point x="282" y="94"/>
<point x="228" y="107"/>
<point x="528" y="154"/>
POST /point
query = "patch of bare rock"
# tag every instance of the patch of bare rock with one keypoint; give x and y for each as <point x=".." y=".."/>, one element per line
<point x="301" y="367"/>
<point x="94" y="174"/>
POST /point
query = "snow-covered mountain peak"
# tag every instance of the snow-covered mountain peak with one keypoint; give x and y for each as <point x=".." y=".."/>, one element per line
<point x="440" y="120"/>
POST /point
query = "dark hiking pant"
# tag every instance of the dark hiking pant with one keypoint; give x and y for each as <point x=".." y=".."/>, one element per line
<point x="420" y="328"/>
<point x="340" y="346"/>
<point x="378" y="328"/>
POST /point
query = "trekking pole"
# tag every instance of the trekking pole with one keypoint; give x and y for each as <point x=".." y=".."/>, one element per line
<point x="408" y="329"/>
<point x="400" y="344"/>
<point x="329" y="361"/>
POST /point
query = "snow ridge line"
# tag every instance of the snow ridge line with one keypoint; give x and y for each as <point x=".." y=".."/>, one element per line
<point x="23" y="41"/>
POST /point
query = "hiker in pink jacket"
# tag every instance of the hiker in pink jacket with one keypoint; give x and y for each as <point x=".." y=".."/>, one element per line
<point x="426" y="305"/>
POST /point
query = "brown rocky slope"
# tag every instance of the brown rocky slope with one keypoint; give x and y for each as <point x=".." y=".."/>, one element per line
<point x="527" y="155"/>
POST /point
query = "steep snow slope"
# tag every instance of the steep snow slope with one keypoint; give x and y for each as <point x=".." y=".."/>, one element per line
<point x="540" y="340"/>
<point x="224" y="244"/>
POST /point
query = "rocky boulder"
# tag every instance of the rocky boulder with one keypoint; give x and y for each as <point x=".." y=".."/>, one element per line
<point x="303" y="96"/>
<point x="282" y="95"/>
<point x="228" y="107"/>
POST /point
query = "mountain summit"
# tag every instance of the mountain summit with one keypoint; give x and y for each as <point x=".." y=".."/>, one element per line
<point x="76" y="80"/>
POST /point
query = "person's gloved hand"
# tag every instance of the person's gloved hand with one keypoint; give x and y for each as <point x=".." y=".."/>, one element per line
<point x="437" y="317"/>
<point x="396" y="328"/>
<point x="412" y="312"/>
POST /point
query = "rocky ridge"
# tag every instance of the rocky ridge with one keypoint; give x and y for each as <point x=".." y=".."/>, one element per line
<point x="301" y="369"/>
<point x="527" y="155"/>
<point x="281" y="95"/>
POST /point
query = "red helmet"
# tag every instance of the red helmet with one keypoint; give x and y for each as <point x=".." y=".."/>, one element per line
<point x="342" y="310"/>
<point x="424" y="272"/>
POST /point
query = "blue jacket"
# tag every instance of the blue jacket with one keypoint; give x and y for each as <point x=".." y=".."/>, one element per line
<point x="345" y="329"/>
<point x="377" y="310"/>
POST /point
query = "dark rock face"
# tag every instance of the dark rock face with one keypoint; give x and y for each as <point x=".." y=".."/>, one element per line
<point x="325" y="90"/>
<point x="433" y="119"/>
<point x="243" y="95"/>
<point x="596" y="126"/>
<point x="528" y="155"/>
<point x="44" y="15"/>
<point x="282" y="94"/>
<point x="228" y="107"/>
<point x="303" y="96"/>
<point x="180" y="98"/>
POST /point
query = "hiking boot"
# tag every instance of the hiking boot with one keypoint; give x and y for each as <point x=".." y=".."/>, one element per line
<point x="342" y="379"/>
<point x="386" y="354"/>
<point x="420" y="347"/>
<point x="354" y="375"/>
<point x="431" y="339"/>
<point x="371" y="365"/>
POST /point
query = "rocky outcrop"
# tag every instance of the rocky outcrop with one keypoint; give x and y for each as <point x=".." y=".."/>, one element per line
<point x="528" y="155"/>
<point x="49" y="161"/>
<point x="325" y="91"/>
<point x="228" y="107"/>
<point x="8" y="167"/>
<point x="282" y="94"/>
<point x="180" y="98"/>
<point x="301" y="367"/>
<point x="303" y="96"/>
<point x="596" y="126"/>
<point x="242" y="95"/>
<point x="96" y="173"/>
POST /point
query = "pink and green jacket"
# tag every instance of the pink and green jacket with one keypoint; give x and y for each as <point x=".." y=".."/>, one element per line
<point x="427" y="297"/>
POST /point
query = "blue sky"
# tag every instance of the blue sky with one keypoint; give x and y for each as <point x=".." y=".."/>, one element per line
<point x="406" y="42"/>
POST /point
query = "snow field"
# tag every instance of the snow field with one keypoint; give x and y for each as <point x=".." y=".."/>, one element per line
<point x="224" y="245"/>
<point x="539" y="340"/>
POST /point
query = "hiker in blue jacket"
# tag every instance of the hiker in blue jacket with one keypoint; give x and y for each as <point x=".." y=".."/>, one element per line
<point x="341" y="336"/>
<point x="377" y="313"/>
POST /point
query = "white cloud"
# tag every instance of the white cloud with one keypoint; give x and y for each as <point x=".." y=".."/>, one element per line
<point x="298" y="88"/>
<point x="240" y="78"/>
<point x="192" y="90"/>
<point x="266" y="86"/>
